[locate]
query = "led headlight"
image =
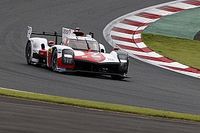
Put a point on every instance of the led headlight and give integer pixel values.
(67, 56)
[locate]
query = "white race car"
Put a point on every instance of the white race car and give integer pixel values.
(75, 52)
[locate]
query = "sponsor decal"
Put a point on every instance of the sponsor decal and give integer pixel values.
(84, 56)
(96, 57)
(93, 57)
(110, 59)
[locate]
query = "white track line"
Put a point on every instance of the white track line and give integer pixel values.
(141, 19)
(158, 12)
(183, 5)
(126, 26)
(120, 34)
(126, 43)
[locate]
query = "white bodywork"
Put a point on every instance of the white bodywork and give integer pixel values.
(36, 46)
(66, 35)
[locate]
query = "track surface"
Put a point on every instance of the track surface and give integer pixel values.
(34, 117)
(148, 86)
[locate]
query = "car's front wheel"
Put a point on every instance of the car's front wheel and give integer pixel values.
(54, 60)
(28, 53)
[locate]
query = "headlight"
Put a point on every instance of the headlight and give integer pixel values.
(67, 56)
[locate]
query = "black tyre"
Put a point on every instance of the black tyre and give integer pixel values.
(28, 52)
(54, 60)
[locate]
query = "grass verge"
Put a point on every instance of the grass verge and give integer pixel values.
(98, 105)
(181, 50)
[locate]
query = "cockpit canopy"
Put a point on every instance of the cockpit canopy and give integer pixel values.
(85, 45)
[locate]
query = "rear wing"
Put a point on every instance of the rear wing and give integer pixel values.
(66, 33)
(30, 32)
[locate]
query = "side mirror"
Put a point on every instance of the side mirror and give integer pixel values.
(91, 34)
(102, 48)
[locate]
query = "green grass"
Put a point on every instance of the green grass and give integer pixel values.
(181, 50)
(99, 105)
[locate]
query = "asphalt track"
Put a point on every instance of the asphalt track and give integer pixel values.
(19, 116)
(148, 86)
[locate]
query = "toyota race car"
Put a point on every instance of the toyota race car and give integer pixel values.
(76, 52)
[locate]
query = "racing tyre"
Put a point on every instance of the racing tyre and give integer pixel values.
(54, 60)
(28, 53)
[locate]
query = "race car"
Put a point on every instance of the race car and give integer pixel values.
(76, 52)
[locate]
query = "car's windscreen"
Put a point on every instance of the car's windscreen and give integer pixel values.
(93, 45)
(83, 45)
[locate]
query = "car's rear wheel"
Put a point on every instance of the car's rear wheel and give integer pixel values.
(54, 60)
(28, 53)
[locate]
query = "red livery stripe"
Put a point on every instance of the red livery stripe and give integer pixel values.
(134, 23)
(135, 49)
(161, 59)
(126, 31)
(148, 15)
(192, 2)
(171, 9)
